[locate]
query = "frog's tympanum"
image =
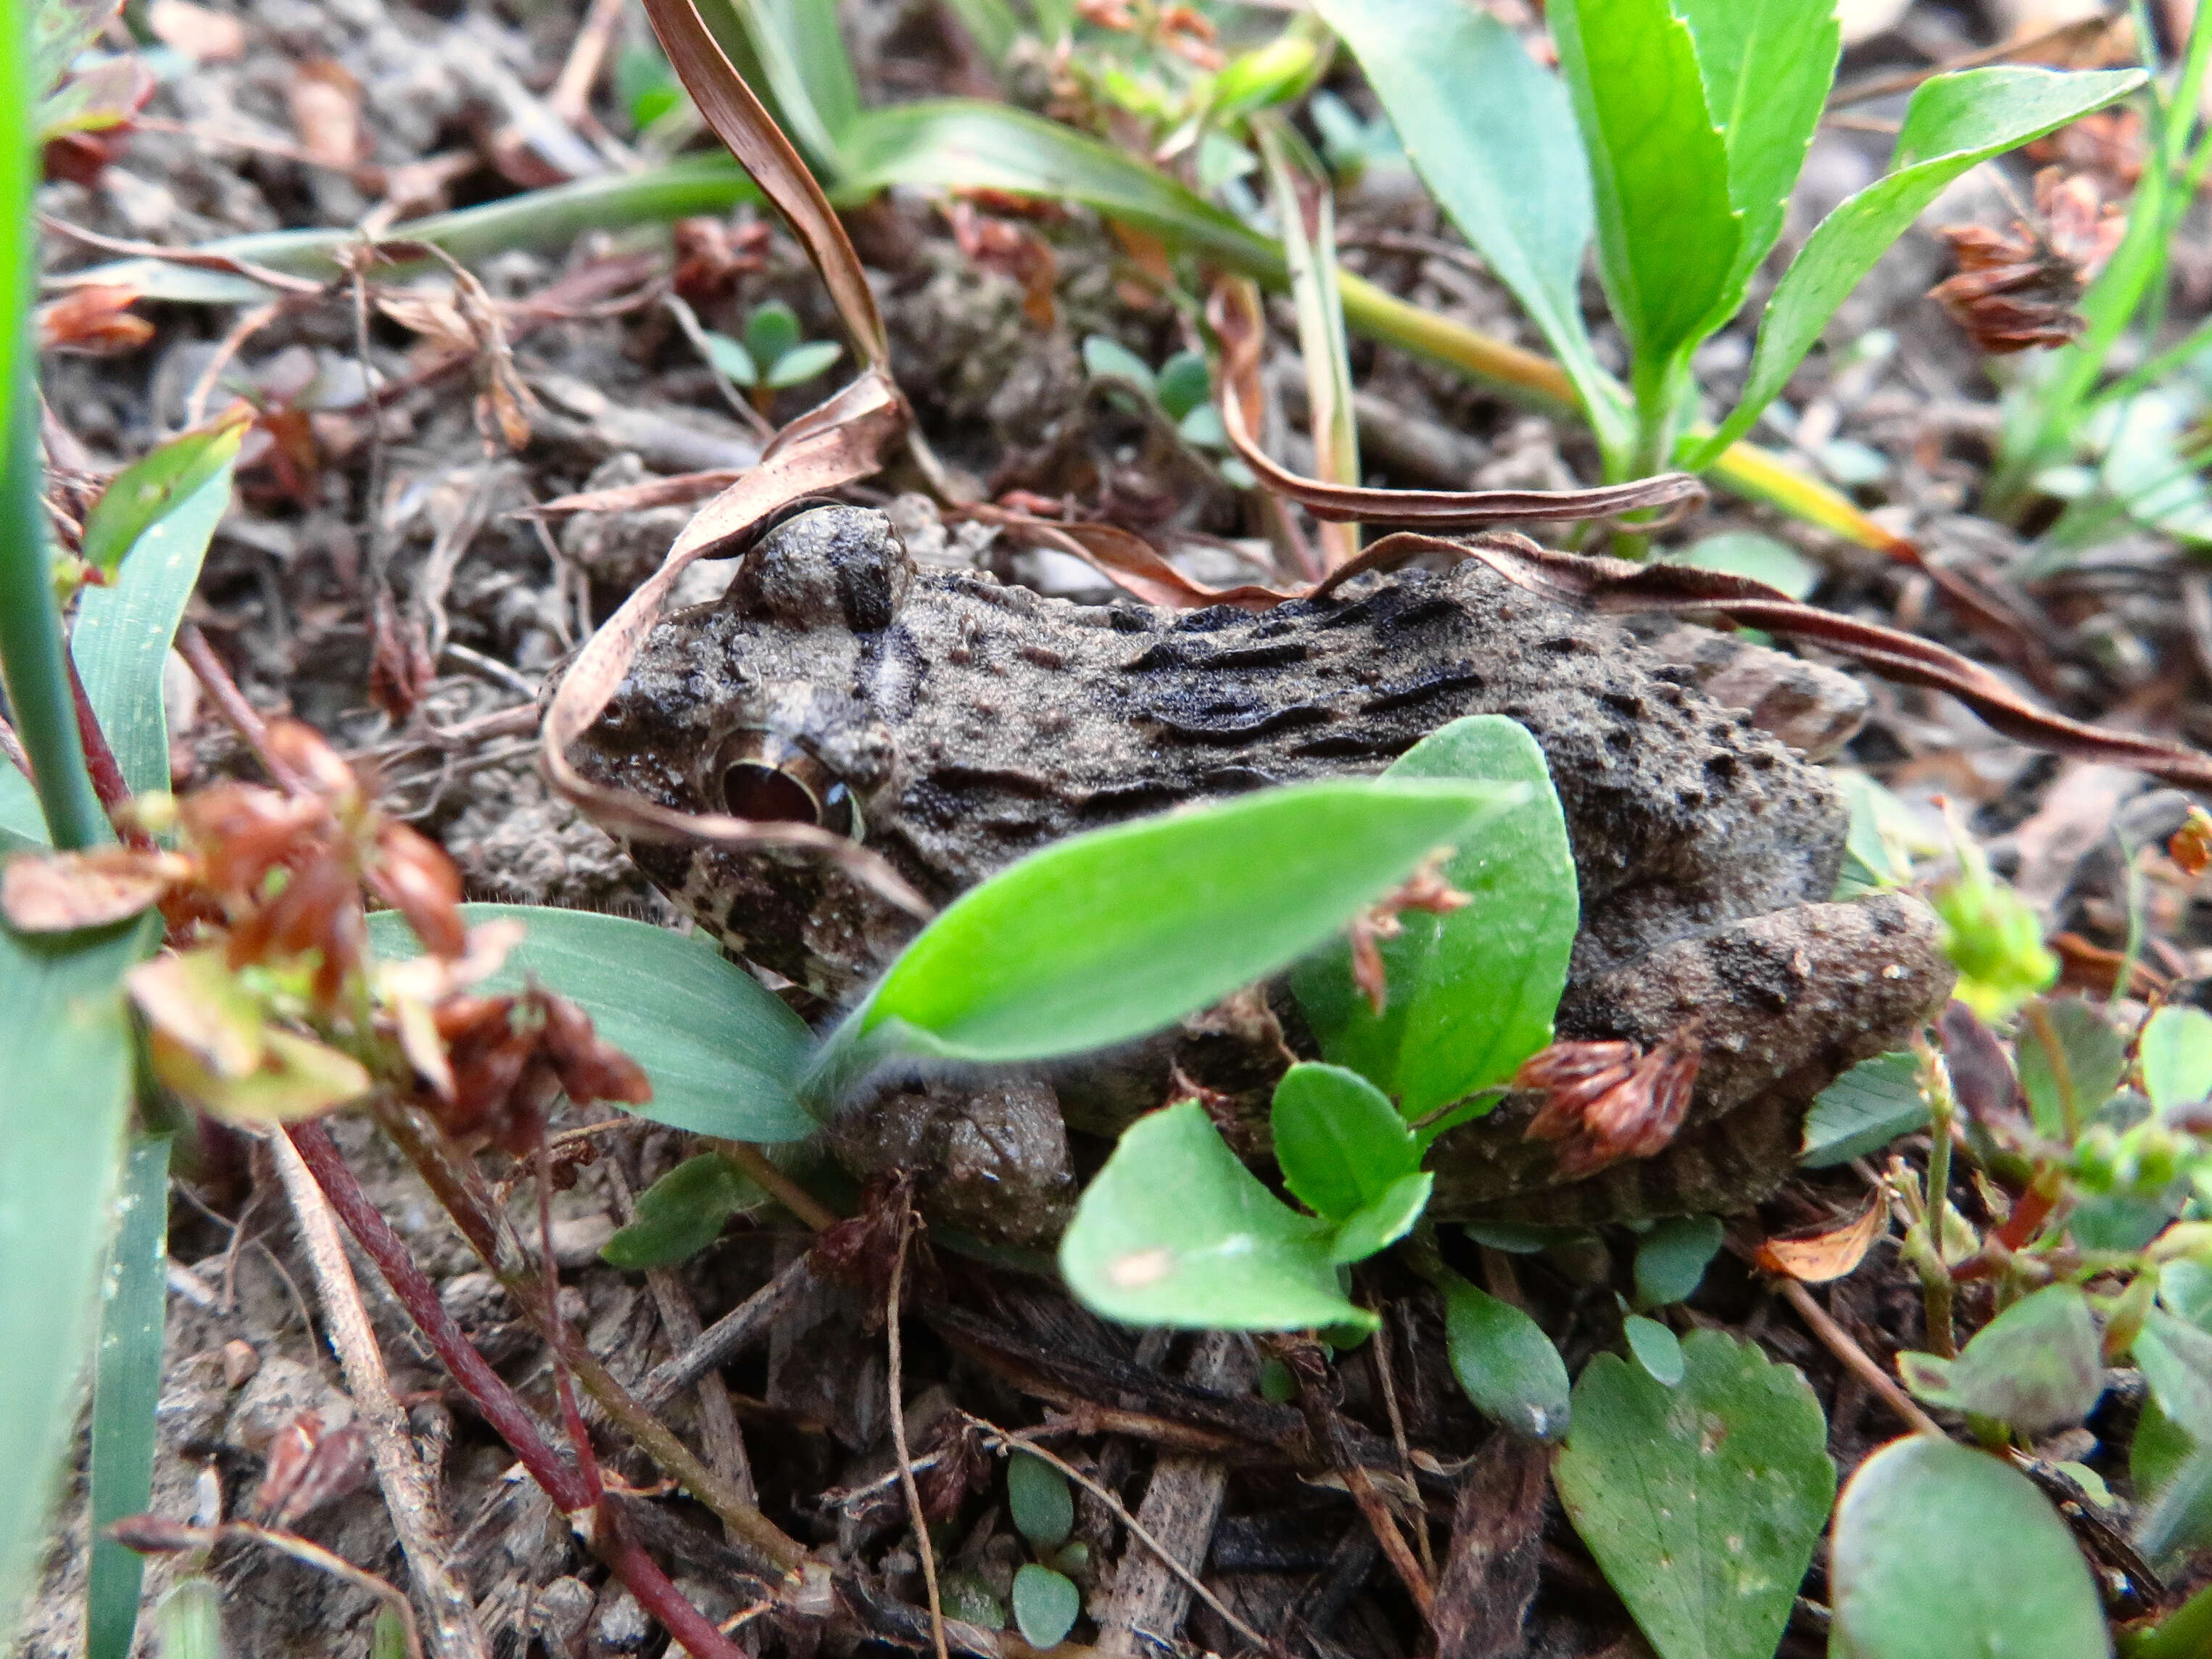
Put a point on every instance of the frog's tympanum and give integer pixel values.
(955, 724)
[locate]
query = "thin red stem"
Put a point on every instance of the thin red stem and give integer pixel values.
(99, 760)
(239, 715)
(690, 1629)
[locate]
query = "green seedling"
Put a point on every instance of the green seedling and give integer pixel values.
(1179, 393)
(773, 356)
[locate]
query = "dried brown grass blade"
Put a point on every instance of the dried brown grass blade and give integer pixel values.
(832, 445)
(680, 491)
(739, 121)
(1609, 585)
(1235, 314)
(1130, 562)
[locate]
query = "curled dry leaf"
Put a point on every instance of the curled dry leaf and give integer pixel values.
(1817, 1257)
(59, 892)
(310, 1465)
(1606, 1101)
(95, 318)
(1425, 891)
(2191, 845)
(711, 255)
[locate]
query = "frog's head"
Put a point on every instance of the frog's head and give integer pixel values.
(765, 705)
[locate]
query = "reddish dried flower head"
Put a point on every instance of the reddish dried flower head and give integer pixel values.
(2017, 290)
(2191, 846)
(1607, 1101)
(414, 876)
(512, 1057)
(711, 255)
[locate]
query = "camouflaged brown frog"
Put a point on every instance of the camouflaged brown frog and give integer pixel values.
(955, 724)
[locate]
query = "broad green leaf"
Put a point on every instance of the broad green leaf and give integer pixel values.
(1471, 993)
(1107, 936)
(770, 331)
(2185, 1288)
(2092, 1055)
(123, 633)
(2175, 1052)
(150, 488)
(1038, 1501)
(1183, 384)
(1671, 1259)
(731, 358)
(2176, 1358)
(723, 1053)
(1767, 66)
(1954, 123)
(960, 144)
(126, 1387)
(2036, 1367)
(1506, 166)
(803, 362)
(1667, 237)
(1657, 1348)
(682, 1213)
(1046, 1604)
(1863, 1111)
(1702, 1501)
(1504, 1363)
(1941, 1552)
(188, 1621)
(67, 1036)
(1748, 553)
(1175, 1230)
(1527, 1238)
(1378, 1225)
(1340, 1142)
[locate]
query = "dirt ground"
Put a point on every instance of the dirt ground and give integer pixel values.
(335, 500)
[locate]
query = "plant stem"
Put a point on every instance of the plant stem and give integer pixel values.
(33, 655)
(1937, 1287)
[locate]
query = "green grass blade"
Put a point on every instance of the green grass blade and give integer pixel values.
(126, 1386)
(64, 1029)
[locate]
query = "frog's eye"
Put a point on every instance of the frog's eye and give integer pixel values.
(758, 775)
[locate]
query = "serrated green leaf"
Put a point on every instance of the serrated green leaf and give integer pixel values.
(1339, 1141)
(1506, 166)
(1941, 1552)
(681, 1213)
(1503, 1363)
(1046, 1604)
(126, 1388)
(2175, 1052)
(1702, 1501)
(1039, 1502)
(1954, 123)
(1672, 1258)
(722, 1052)
(2036, 1367)
(1863, 1111)
(1657, 1348)
(1107, 936)
(1471, 993)
(1667, 236)
(803, 362)
(1175, 1230)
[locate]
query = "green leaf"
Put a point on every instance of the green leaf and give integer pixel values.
(1471, 993)
(67, 1036)
(188, 1621)
(723, 1053)
(1039, 1502)
(968, 1599)
(2185, 1287)
(2092, 1057)
(1175, 1230)
(1340, 1142)
(682, 1213)
(126, 1388)
(123, 633)
(731, 357)
(1657, 1348)
(2036, 1367)
(1107, 936)
(803, 362)
(2175, 1052)
(1767, 66)
(58, 30)
(1954, 123)
(1863, 1111)
(1183, 384)
(1378, 1225)
(1941, 1552)
(1046, 1604)
(771, 330)
(1702, 1501)
(1105, 358)
(1667, 236)
(2176, 1358)
(1506, 166)
(799, 60)
(1747, 553)
(1271, 74)
(387, 1637)
(155, 486)
(1671, 1259)
(1504, 1363)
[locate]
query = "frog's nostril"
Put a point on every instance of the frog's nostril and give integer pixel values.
(751, 790)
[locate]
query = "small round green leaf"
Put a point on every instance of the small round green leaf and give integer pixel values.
(771, 330)
(1863, 1111)
(2036, 1367)
(1046, 1604)
(1657, 1348)
(1175, 1230)
(1038, 1499)
(1379, 1225)
(1340, 1142)
(731, 358)
(803, 362)
(2176, 1055)
(1506, 1365)
(1108, 359)
(1671, 1259)
(1941, 1552)
(1185, 382)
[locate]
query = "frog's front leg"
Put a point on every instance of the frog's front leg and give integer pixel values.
(1783, 1003)
(989, 1155)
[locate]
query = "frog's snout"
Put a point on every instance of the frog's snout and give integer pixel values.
(830, 566)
